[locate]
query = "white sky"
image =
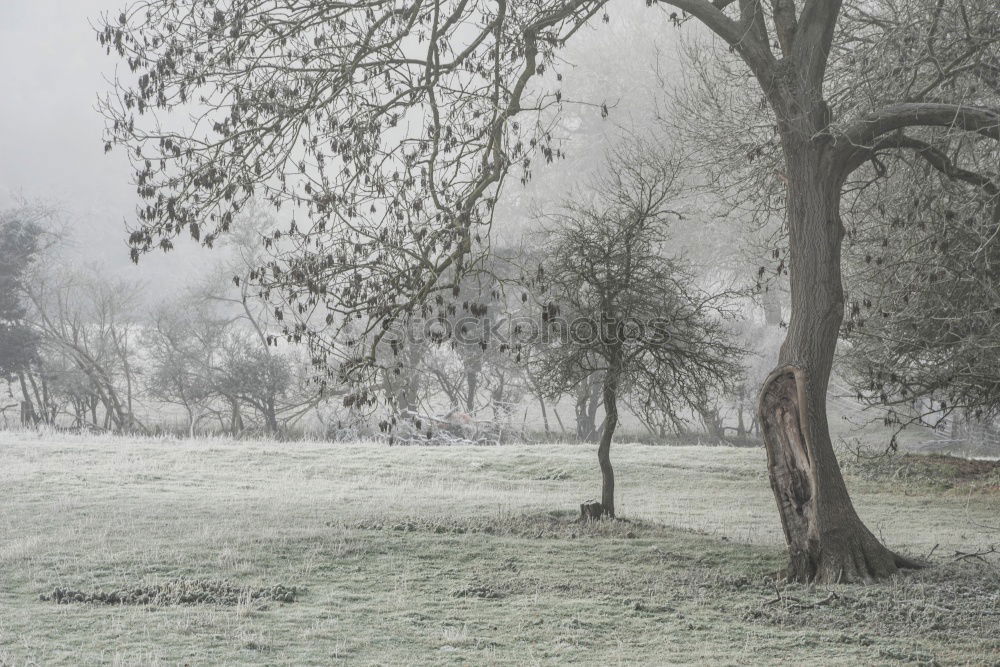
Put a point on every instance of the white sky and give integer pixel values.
(51, 69)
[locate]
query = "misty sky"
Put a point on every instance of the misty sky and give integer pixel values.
(50, 144)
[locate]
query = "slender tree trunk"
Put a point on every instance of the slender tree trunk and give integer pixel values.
(827, 541)
(42, 412)
(610, 392)
(236, 418)
(472, 384)
(501, 410)
(545, 415)
(555, 413)
(270, 418)
(48, 405)
(27, 409)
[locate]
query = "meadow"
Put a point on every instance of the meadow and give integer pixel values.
(147, 551)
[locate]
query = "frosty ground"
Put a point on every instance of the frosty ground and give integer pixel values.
(466, 555)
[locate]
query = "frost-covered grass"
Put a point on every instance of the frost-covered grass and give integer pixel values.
(462, 555)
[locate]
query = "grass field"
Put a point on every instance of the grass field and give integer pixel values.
(465, 555)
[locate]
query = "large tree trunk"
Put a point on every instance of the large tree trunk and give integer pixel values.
(827, 541)
(610, 391)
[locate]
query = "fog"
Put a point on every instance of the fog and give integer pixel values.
(51, 145)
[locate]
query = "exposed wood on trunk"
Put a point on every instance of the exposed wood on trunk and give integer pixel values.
(827, 542)
(782, 414)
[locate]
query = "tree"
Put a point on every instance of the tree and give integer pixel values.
(616, 304)
(924, 306)
(181, 343)
(86, 325)
(26, 232)
(253, 377)
(392, 127)
(921, 86)
(18, 342)
(251, 368)
(844, 85)
(921, 246)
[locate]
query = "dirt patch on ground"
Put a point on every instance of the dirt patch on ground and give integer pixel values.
(176, 592)
(551, 525)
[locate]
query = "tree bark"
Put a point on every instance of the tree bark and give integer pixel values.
(610, 391)
(827, 541)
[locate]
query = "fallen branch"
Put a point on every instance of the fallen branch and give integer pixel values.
(980, 555)
(797, 603)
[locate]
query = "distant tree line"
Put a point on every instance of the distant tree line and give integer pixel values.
(80, 349)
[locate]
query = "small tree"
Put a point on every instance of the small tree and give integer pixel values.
(18, 343)
(253, 377)
(181, 343)
(21, 240)
(615, 303)
(85, 322)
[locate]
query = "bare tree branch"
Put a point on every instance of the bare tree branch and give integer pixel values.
(855, 143)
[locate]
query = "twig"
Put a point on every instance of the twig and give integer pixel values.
(961, 555)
